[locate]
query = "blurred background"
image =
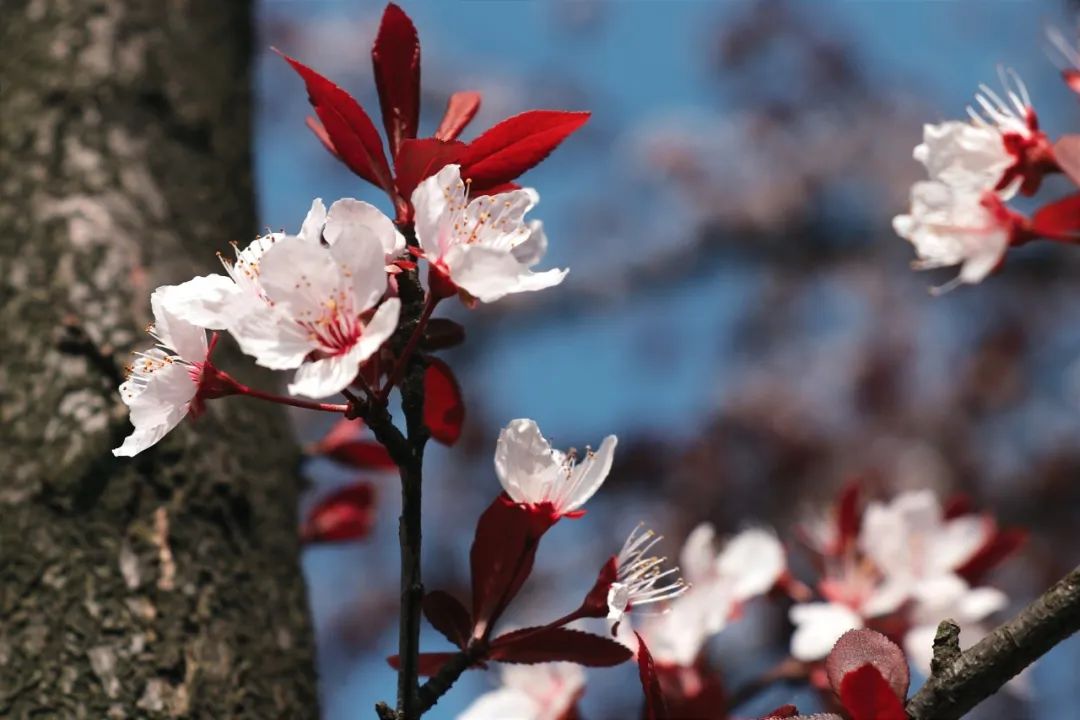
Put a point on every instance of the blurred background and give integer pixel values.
(738, 310)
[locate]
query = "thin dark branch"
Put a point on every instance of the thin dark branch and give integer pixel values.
(442, 681)
(971, 677)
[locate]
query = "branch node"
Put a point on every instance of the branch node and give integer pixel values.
(946, 646)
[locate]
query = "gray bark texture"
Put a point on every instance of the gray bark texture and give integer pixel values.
(167, 585)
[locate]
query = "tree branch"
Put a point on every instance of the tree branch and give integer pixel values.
(959, 684)
(442, 681)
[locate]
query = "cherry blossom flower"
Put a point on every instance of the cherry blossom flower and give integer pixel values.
(750, 564)
(958, 226)
(818, 626)
(482, 246)
(545, 691)
(315, 311)
(911, 542)
(638, 574)
(170, 381)
(546, 480)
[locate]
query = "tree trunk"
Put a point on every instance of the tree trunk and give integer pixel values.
(167, 585)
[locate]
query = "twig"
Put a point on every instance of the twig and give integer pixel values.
(957, 686)
(442, 681)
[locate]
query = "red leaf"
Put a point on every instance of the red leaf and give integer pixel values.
(1000, 546)
(395, 58)
(516, 144)
(957, 505)
(320, 133)
(1060, 220)
(784, 711)
(655, 708)
(442, 333)
(494, 189)
(848, 515)
(347, 126)
(460, 110)
(501, 559)
(866, 695)
(444, 410)
(858, 648)
(418, 160)
(430, 663)
(346, 514)
(534, 645)
(447, 615)
(1067, 155)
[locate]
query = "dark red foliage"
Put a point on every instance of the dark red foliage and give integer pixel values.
(344, 443)
(395, 59)
(784, 711)
(857, 648)
(444, 409)
(430, 663)
(848, 515)
(999, 547)
(866, 695)
(534, 645)
(447, 615)
(420, 159)
(501, 558)
(1059, 220)
(347, 127)
(345, 514)
(655, 707)
(516, 144)
(442, 333)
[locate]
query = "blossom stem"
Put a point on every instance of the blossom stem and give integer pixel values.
(410, 347)
(295, 402)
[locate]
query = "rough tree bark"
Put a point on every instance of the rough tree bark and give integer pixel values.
(167, 585)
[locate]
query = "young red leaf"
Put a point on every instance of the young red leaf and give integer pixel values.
(534, 645)
(444, 410)
(866, 695)
(430, 663)
(345, 514)
(441, 334)
(1000, 546)
(348, 128)
(418, 160)
(1059, 220)
(395, 58)
(317, 128)
(362, 455)
(501, 558)
(516, 144)
(655, 708)
(447, 615)
(460, 110)
(857, 648)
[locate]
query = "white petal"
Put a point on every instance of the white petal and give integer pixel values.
(525, 462)
(300, 277)
(959, 539)
(964, 155)
(817, 628)
(498, 221)
(488, 274)
(502, 704)
(588, 475)
(204, 301)
(751, 563)
(980, 603)
(533, 249)
(350, 218)
(379, 328)
(312, 229)
(157, 408)
(698, 557)
(919, 646)
(186, 339)
(433, 202)
(273, 339)
(328, 376)
(362, 262)
(888, 597)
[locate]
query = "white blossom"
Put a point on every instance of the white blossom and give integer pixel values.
(639, 576)
(162, 382)
(965, 155)
(544, 691)
(533, 473)
(818, 626)
(484, 244)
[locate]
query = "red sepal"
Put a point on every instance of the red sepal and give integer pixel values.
(866, 695)
(535, 645)
(858, 648)
(501, 558)
(1059, 220)
(595, 603)
(1003, 544)
(345, 514)
(395, 59)
(348, 128)
(516, 144)
(447, 615)
(655, 707)
(431, 663)
(444, 410)
(460, 110)
(418, 160)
